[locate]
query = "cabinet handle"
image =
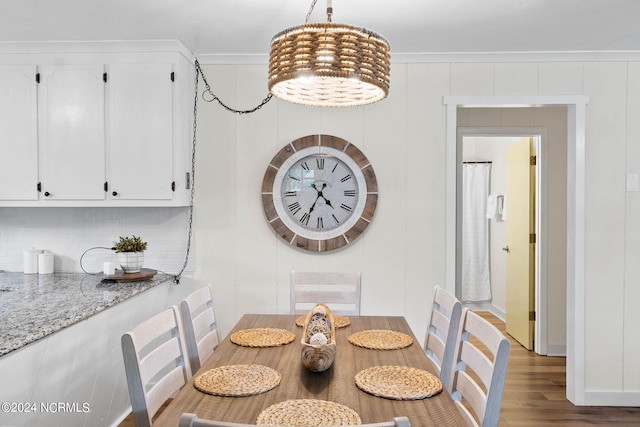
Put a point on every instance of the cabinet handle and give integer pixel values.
(47, 194)
(115, 193)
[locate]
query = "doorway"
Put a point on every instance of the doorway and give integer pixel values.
(575, 219)
(511, 267)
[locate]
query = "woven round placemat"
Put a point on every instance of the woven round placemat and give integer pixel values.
(262, 337)
(237, 380)
(398, 382)
(339, 321)
(308, 413)
(380, 339)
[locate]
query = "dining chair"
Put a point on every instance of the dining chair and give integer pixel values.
(442, 333)
(156, 363)
(482, 356)
(339, 291)
(192, 420)
(200, 326)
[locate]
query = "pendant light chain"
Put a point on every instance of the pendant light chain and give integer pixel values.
(192, 182)
(313, 4)
(212, 97)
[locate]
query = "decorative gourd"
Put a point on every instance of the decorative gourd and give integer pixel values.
(318, 339)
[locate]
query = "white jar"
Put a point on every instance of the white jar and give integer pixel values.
(45, 263)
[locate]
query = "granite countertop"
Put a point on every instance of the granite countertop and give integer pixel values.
(33, 306)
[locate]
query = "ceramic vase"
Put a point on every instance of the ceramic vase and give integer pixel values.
(131, 262)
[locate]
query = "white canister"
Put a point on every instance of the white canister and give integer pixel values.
(45, 263)
(30, 261)
(109, 268)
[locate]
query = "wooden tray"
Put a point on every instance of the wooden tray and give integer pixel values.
(121, 276)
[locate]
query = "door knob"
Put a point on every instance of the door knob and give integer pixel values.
(506, 249)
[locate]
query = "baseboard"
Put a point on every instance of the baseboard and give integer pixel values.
(612, 398)
(556, 350)
(486, 306)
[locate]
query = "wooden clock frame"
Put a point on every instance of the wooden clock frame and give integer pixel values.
(316, 241)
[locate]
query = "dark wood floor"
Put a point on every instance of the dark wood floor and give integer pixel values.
(535, 392)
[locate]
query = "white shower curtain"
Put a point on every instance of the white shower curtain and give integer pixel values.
(476, 277)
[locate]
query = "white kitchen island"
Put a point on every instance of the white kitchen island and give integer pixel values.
(60, 355)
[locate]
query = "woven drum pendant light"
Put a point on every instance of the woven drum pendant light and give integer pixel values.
(329, 65)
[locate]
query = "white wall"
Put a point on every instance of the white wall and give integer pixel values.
(402, 254)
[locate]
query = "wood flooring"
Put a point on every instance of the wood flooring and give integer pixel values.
(535, 392)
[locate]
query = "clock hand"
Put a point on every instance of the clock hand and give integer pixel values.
(318, 196)
(313, 185)
(314, 204)
(322, 195)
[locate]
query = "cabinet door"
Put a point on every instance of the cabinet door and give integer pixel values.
(140, 137)
(71, 127)
(18, 133)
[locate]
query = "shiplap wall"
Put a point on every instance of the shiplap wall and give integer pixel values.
(401, 255)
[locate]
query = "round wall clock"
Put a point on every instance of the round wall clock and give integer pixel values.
(319, 193)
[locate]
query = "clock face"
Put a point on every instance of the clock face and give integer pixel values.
(316, 193)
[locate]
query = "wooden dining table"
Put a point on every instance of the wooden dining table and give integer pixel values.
(335, 384)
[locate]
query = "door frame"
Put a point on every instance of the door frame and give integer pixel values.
(576, 124)
(539, 135)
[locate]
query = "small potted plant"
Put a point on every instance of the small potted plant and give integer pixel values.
(131, 253)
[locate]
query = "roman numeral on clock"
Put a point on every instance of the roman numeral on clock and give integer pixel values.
(320, 163)
(335, 219)
(305, 166)
(290, 193)
(346, 208)
(345, 178)
(320, 223)
(350, 193)
(294, 208)
(305, 219)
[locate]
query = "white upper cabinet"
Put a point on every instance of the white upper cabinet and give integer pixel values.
(140, 132)
(71, 132)
(111, 126)
(18, 133)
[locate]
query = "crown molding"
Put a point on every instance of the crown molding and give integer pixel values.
(93, 47)
(453, 57)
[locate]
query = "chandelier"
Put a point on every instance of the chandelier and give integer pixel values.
(329, 65)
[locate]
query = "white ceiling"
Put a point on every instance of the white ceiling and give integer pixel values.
(411, 26)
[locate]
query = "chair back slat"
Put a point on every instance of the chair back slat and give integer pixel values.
(339, 291)
(442, 333)
(192, 420)
(482, 357)
(200, 326)
(156, 363)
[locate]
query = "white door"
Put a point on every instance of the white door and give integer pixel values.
(71, 130)
(18, 133)
(140, 136)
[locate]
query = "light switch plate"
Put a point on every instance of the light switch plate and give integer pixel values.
(632, 182)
